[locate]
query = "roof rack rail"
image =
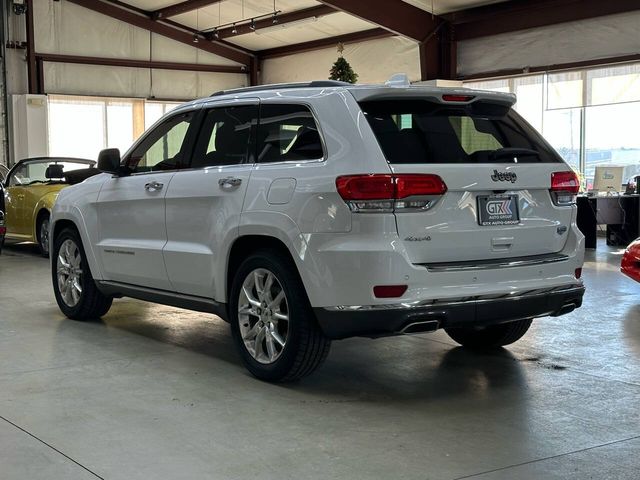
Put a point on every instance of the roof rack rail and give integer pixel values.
(279, 86)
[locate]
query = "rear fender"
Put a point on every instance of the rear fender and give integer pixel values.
(44, 204)
(283, 228)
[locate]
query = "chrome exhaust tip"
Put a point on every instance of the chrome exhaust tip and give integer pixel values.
(424, 326)
(568, 308)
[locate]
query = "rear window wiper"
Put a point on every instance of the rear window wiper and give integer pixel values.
(513, 153)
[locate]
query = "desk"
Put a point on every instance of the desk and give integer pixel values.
(619, 213)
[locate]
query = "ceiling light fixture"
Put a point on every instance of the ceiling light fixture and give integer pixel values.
(281, 26)
(223, 30)
(195, 35)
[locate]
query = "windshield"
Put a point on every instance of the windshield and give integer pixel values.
(34, 172)
(418, 131)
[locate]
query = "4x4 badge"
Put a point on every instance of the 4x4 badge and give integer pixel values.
(504, 176)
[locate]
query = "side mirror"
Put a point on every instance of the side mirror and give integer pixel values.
(109, 160)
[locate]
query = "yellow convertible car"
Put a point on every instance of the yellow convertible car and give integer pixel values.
(31, 188)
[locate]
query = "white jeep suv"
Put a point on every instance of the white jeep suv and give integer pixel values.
(303, 213)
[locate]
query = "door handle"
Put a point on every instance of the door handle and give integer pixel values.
(153, 186)
(229, 182)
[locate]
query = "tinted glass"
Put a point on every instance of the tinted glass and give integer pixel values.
(288, 133)
(427, 132)
(226, 137)
(162, 149)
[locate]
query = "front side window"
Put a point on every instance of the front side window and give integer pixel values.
(19, 176)
(226, 137)
(163, 148)
(288, 133)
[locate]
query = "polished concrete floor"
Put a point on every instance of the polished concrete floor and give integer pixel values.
(153, 392)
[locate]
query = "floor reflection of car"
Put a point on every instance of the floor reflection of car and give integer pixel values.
(30, 190)
(630, 264)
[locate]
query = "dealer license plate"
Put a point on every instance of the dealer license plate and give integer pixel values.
(498, 210)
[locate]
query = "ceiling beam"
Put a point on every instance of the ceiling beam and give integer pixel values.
(283, 18)
(325, 43)
(524, 14)
(125, 62)
(181, 26)
(182, 7)
(179, 35)
(394, 15)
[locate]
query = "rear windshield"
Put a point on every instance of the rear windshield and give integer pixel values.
(418, 131)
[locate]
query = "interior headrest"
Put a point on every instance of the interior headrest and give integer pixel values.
(54, 171)
(228, 141)
(383, 124)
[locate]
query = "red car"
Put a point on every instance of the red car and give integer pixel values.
(630, 264)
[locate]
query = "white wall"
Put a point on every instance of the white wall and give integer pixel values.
(65, 28)
(29, 126)
(592, 39)
(374, 61)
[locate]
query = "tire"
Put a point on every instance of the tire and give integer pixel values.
(42, 233)
(298, 346)
(493, 336)
(70, 268)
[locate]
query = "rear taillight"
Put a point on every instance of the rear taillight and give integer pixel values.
(564, 187)
(387, 193)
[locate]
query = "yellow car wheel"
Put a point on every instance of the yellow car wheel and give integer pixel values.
(42, 233)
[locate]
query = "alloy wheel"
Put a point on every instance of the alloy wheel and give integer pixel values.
(44, 235)
(263, 315)
(69, 273)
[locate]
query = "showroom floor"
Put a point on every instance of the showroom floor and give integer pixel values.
(154, 392)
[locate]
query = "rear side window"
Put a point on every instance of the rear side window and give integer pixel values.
(427, 132)
(287, 133)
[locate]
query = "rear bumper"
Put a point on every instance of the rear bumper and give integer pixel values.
(382, 320)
